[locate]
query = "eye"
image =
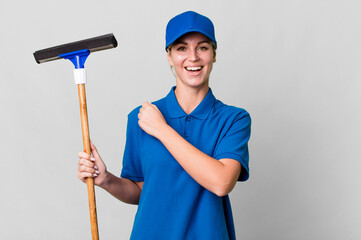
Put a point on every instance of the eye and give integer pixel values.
(203, 48)
(181, 48)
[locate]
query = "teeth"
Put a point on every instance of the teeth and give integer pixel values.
(193, 68)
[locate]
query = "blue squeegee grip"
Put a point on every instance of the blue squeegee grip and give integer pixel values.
(78, 58)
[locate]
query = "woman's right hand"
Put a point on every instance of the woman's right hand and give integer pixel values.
(92, 166)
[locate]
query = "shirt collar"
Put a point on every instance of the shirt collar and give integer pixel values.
(201, 111)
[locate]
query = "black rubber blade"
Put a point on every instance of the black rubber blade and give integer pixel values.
(92, 44)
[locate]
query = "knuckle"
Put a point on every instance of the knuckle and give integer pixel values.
(81, 162)
(83, 168)
(83, 155)
(85, 162)
(86, 175)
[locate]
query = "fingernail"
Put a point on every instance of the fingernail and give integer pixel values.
(93, 159)
(97, 172)
(95, 175)
(95, 167)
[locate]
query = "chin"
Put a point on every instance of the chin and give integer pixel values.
(197, 84)
(194, 82)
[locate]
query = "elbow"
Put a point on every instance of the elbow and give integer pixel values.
(223, 188)
(221, 193)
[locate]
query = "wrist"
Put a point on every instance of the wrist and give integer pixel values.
(164, 132)
(107, 179)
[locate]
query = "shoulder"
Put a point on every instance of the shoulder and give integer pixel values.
(229, 112)
(134, 113)
(161, 104)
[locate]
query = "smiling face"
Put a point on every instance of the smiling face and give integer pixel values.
(192, 57)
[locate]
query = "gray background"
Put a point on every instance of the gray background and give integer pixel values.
(294, 65)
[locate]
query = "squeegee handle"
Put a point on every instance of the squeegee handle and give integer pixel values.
(86, 143)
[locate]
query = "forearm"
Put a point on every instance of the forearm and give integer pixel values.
(212, 174)
(122, 188)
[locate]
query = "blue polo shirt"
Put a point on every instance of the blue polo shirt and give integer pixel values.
(172, 205)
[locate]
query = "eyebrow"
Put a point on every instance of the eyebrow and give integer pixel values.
(181, 42)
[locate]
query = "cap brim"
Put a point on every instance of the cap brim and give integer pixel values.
(189, 31)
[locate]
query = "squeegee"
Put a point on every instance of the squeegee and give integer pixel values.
(77, 53)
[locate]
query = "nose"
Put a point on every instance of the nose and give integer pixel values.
(193, 55)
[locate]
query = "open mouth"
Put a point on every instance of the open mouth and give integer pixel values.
(194, 69)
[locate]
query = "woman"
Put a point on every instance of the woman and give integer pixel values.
(183, 153)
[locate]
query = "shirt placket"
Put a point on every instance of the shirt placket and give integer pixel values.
(187, 124)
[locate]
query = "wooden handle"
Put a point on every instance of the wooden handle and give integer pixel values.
(86, 143)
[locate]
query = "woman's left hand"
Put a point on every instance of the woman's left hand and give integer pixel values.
(151, 119)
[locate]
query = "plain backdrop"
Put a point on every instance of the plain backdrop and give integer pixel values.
(294, 65)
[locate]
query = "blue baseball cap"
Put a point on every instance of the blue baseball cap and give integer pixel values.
(188, 22)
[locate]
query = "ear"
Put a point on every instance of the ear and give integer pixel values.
(214, 56)
(170, 60)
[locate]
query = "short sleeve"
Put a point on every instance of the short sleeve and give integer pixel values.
(132, 168)
(234, 144)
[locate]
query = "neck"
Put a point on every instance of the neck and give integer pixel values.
(190, 98)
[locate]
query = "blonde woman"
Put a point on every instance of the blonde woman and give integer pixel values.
(183, 153)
